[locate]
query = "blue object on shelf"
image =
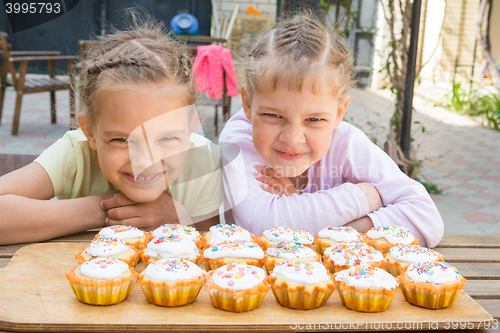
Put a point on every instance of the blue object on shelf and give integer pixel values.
(184, 24)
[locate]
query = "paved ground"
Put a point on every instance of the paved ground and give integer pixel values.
(460, 156)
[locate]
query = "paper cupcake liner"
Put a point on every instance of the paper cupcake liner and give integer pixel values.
(392, 267)
(429, 295)
(171, 293)
(301, 297)
(333, 268)
(131, 261)
(101, 292)
(383, 247)
(321, 245)
(365, 299)
(239, 300)
(211, 264)
(271, 263)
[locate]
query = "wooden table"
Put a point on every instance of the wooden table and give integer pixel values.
(476, 257)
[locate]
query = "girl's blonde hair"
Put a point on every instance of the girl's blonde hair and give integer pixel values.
(300, 48)
(124, 59)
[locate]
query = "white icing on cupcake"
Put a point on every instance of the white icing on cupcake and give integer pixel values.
(413, 253)
(432, 272)
(223, 232)
(172, 247)
(302, 272)
(121, 232)
(183, 231)
(104, 268)
(367, 277)
(173, 270)
(238, 276)
(290, 251)
(289, 234)
(353, 254)
(340, 234)
(104, 247)
(234, 249)
(394, 234)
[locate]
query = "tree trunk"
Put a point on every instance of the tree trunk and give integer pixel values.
(484, 9)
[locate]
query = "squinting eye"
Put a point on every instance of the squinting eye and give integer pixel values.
(121, 140)
(169, 138)
(272, 115)
(314, 119)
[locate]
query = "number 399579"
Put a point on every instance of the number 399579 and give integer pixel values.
(32, 8)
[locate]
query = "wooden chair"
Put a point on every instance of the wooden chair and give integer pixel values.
(24, 85)
(193, 42)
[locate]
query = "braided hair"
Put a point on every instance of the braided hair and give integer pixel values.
(300, 48)
(126, 58)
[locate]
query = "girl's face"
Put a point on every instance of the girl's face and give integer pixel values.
(141, 138)
(292, 130)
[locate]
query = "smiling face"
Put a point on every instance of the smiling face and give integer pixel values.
(141, 137)
(292, 130)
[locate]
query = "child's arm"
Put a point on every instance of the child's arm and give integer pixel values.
(29, 216)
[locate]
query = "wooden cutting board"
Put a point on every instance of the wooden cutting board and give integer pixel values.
(35, 295)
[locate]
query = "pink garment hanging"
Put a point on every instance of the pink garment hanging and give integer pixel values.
(207, 67)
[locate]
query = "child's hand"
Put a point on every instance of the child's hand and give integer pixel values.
(275, 183)
(143, 215)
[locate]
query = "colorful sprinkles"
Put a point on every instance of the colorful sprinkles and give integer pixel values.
(362, 272)
(427, 267)
(104, 243)
(406, 250)
(298, 235)
(353, 252)
(168, 238)
(396, 231)
(121, 228)
(306, 267)
(227, 272)
(177, 229)
(286, 247)
(234, 245)
(173, 266)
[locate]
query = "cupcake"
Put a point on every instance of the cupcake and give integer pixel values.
(332, 236)
(431, 284)
(237, 287)
(347, 255)
(168, 282)
(225, 232)
(109, 248)
(366, 288)
(301, 285)
(383, 238)
(183, 231)
(102, 281)
(170, 247)
(400, 256)
(274, 235)
(289, 251)
(130, 235)
(238, 251)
